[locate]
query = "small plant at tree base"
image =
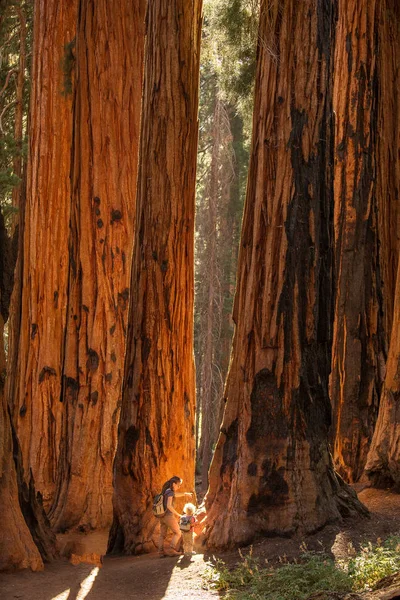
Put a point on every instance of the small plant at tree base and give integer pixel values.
(289, 582)
(313, 573)
(374, 562)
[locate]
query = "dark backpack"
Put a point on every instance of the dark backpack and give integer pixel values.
(158, 506)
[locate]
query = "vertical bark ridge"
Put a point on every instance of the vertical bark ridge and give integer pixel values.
(109, 66)
(17, 549)
(383, 462)
(271, 470)
(359, 342)
(156, 431)
(388, 142)
(35, 395)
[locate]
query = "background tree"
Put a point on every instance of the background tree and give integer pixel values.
(109, 67)
(156, 430)
(272, 470)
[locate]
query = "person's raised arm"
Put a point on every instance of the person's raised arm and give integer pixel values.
(180, 494)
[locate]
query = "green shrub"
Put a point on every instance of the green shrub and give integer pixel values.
(251, 580)
(374, 562)
(290, 582)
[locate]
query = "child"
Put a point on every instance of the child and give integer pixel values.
(186, 525)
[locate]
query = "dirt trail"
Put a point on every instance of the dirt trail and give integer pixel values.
(152, 578)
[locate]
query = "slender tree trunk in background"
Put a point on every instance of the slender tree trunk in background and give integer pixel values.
(272, 470)
(388, 143)
(383, 463)
(109, 67)
(207, 367)
(36, 355)
(230, 235)
(17, 549)
(19, 110)
(359, 329)
(156, 431)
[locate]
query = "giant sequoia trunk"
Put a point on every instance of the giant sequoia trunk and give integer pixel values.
(272, 471)
(383, 461)
(156, 432)
(109, 66)
(383, 464)
(17, 549)
(36, 354)
(359, 341)
(388, 143)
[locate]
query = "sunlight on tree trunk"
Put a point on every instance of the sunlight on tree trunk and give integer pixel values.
(36, 354)
(272, 470)
(156, 431)
(109, 67)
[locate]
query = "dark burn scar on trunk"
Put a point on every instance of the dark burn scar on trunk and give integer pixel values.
(131, 439)
(267, 417)
(123, 298)
(273, 489)
(93, 360)
(71, 387)
(146, 347)
(229, 456)
(46, 371)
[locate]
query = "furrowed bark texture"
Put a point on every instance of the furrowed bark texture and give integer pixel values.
(156, 431)
(358, 348)
(109, 67)
(35, 383)
(272, 471)
(383, 463)
(17, 549)
(388, 143)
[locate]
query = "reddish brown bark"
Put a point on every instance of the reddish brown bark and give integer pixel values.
(156, 431)
(271, 471)
(383, 463)
(109, 65)
(388, 143)
(359, 340)
(35, 380)
(17, 549)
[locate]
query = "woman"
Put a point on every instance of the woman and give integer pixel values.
(170, 491)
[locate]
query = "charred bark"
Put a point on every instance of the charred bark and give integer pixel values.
(359, 343)
(272, 471)
(109, 66)
(156, 431)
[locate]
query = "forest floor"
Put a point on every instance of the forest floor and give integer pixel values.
(149, 577)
